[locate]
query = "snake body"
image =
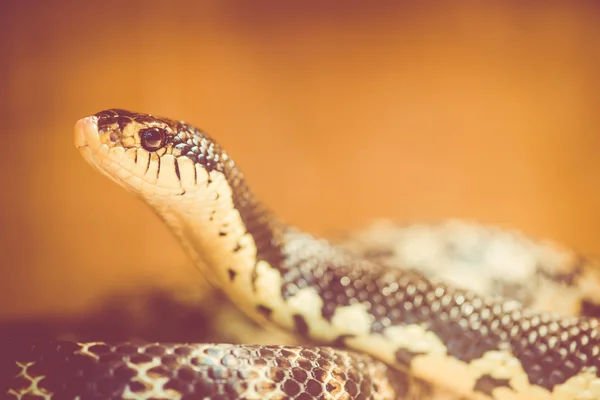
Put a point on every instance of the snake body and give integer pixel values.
(406, 334)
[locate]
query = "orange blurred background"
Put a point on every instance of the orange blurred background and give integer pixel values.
(338, 113)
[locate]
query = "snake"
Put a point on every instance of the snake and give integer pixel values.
(372, 327)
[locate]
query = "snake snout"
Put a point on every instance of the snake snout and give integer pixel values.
(86, 132)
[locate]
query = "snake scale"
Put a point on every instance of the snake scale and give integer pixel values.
(377, 330)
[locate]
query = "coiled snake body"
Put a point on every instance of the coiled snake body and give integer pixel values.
(407, 335)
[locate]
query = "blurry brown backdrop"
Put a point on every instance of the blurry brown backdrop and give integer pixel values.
(337, 113)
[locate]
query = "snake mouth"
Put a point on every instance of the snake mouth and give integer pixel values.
(87, 141)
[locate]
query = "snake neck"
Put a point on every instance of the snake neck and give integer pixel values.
(225, 230)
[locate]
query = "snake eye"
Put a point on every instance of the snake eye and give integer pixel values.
(153, 139)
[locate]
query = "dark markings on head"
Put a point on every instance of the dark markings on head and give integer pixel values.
(148, 163)
(486, 384)
(232, 274)
(188, 140)
(123, 116)
(301, 325)
(158, 167)
(264, 311)
(222, 233)
(195, 175)
(107, 118)
(177, 171)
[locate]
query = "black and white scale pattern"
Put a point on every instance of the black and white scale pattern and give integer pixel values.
(551, 349)
(105, 371)
(550, 352)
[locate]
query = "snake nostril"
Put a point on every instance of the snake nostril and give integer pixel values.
(114, 137)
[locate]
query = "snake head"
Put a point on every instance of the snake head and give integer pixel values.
(146, 153)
